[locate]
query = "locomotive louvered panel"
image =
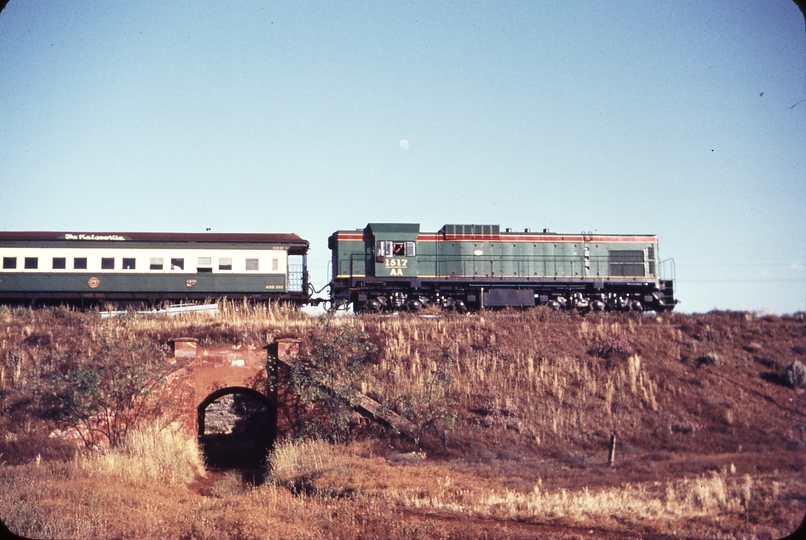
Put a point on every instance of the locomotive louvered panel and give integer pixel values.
(627, 269)
(626, 256)
(472, 232)
(627, 262)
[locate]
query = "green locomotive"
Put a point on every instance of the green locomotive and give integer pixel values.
(394, 266)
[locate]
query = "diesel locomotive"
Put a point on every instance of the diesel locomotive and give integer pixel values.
(395, 266)
(382, 267)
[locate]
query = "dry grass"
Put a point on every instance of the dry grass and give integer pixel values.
(148, 455)
(350, 493)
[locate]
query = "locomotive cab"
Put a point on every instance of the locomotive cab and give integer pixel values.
(394, 249)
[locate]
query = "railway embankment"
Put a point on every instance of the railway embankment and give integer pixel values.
(514, 413)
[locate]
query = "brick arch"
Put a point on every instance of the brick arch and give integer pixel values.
(221, 392)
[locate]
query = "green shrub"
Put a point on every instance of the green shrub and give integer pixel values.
(795, 374)
(105, 393)
(328, 376)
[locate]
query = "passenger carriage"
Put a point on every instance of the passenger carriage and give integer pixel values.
(74, 267)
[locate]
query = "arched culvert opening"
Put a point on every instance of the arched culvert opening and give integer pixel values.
(237, 427)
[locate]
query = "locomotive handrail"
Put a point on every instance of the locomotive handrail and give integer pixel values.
(662, 269)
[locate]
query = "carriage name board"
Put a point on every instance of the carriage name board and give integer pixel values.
(96, 237)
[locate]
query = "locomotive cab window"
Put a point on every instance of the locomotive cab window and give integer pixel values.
(9, 263)
(395, 249)
(383, 248)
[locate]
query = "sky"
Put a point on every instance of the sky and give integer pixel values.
(684, 119)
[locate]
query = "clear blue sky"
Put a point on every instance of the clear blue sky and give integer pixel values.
(669, 117)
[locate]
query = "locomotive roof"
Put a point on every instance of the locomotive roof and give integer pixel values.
(155, 237)
(492, 232)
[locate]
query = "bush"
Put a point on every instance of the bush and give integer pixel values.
(105, 393)
(328, 377)
(611, 346)
(795, 374)
(710, 359)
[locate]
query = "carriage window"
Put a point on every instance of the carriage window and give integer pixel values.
(225, 264)
(252, 264)
(107, 263)
(275, 265)
(9, 263)
(80, 263)
(205, 264)
(128, 264)
(59, 263)
(156, 263)
(31, 263)
(177, 264)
